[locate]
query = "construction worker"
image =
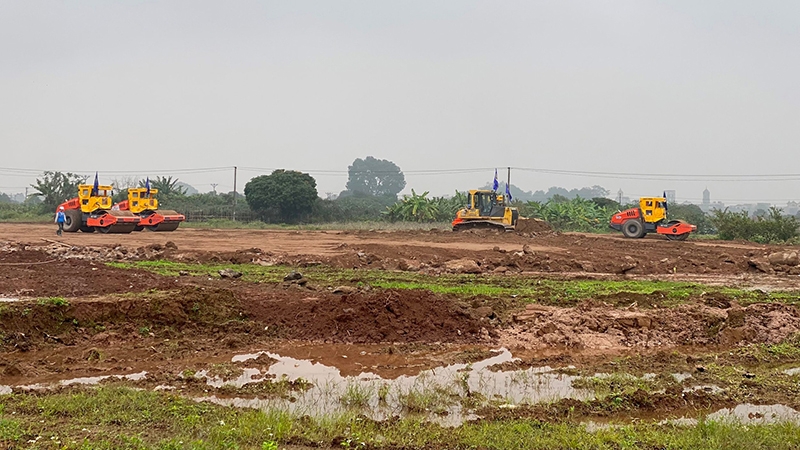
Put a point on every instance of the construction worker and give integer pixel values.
(60, 218)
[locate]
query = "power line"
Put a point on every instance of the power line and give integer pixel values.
(21, 172)
(666, 177)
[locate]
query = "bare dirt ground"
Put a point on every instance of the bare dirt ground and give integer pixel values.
(123, 320)
(414, 250)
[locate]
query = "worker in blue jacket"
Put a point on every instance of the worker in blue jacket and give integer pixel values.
(60, 218)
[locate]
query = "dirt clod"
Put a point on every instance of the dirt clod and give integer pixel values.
(230, 273)
(293, 276)
(463, 265)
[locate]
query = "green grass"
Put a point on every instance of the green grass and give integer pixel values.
(356, 395)
(620, 383)
(52, 301)
(114, 417)
(525, 289)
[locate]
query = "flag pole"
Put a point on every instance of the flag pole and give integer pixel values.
(508, 184)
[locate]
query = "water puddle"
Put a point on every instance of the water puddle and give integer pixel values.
(757, 414)
(792, 372)
(444, 394)
(746, 414)
(76, 381)
(709, 388)
(681, 377)
(95, 380)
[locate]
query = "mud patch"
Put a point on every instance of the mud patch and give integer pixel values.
(33, 273)
(373, 316)
(599, 328)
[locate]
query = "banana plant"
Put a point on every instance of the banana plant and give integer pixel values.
(413, 208)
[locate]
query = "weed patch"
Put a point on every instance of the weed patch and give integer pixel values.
(647, 293)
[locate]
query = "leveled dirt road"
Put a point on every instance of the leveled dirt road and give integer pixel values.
(547, 253)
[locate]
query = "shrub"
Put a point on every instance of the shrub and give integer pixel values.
(772, 228)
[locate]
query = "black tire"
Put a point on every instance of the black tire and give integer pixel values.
(87, 229)
(73, 220)
(633, 229)
(677, 237)
(104, 230)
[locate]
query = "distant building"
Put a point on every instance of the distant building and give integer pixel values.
(707, 205)
(670, 195)
(621, 199)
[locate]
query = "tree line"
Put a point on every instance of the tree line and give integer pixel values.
(371, 194)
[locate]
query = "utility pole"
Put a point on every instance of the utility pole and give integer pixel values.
(234, 193)
(214, 187)
(620, 196)
(508, 180)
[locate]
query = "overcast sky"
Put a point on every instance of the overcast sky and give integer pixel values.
(684, 88)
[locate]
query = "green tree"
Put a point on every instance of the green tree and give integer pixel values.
(358, 207)
(55, 188)
(772, 228)
(692, 214)
(379, 177)
(284, 195)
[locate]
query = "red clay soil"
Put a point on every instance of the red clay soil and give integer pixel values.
(600, 327)
(428, 250)
(367, 317)
(31, 273)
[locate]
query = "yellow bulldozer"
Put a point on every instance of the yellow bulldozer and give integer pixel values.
(143, 203)
(92, 211)
(486, 209)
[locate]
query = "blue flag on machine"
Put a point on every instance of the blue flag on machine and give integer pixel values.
(665, 201)
(147, 186)
(495, 184)
(96, 186)
(508, 193)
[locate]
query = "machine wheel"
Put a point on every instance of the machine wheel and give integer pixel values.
(633, 229)
(104, 230)
(172, 226)
(86, 229)
(677, 237)
(73, 220)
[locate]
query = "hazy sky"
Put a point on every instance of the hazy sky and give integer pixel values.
(685, 88)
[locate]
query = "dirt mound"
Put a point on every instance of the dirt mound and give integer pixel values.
(385, 316)
(601, 328)
(532, 226)
(28, 323)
